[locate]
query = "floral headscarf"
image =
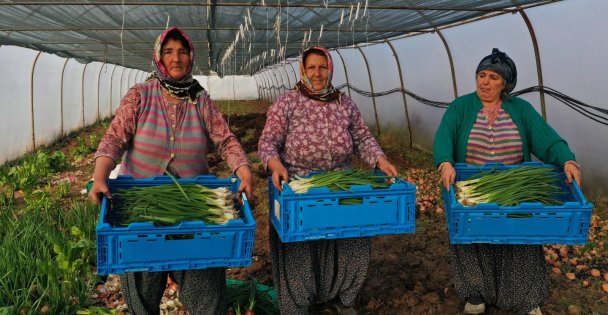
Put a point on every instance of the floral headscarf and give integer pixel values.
(304, 86)
(187, 87)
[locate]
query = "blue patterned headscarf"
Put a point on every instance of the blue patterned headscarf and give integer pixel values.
(500, 63)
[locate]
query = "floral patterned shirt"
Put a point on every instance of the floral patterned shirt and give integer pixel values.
(308, 136)
(122, 128)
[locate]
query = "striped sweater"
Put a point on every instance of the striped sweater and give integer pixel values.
(157, 142)
(497, 142)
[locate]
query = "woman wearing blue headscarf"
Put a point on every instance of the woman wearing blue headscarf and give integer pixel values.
(486, 126)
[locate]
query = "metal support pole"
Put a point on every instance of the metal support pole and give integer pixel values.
(539, 70)
(84, 69)
(407, 116)
(257, 84)
(99, 90)
(33, 123)
(371, 86)
(295, 74)
(61, 94)
(345, 72)
(111, 88)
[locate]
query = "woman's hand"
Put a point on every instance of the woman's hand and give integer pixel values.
(386, 167)
(244, 174)
(279, 173)
(448, 174)
(99, 188)
(103, 166)
(572, 171)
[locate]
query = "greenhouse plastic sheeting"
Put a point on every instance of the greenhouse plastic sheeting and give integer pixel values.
(47, 98)
(574, 49)
(425, 69)
(105, 91)
(232, 88)
(16, 119)
(383, 70)
(51, 97)
(72, 97)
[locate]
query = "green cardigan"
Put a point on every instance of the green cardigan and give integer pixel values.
(537, 136)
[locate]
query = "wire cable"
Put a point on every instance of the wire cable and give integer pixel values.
(597, 114)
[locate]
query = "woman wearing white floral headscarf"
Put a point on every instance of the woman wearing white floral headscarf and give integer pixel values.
(316, 128)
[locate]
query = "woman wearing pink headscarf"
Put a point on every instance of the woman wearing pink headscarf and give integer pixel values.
(167, 124)
(310, 129)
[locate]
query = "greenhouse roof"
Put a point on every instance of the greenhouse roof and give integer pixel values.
(230, 37)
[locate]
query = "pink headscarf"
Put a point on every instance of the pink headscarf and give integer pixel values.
(187, 87)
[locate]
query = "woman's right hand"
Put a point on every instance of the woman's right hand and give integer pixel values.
(448, 174)
(99, 188)
(103, 166)
(279, 173)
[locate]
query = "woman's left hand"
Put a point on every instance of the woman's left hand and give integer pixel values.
(572, 172)
(386, 167)
(244, 174)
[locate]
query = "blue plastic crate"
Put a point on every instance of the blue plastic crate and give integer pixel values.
(526, 223)
(319, 214)
(142, 246)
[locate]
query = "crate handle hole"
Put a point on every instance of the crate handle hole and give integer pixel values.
(177, 237)
(350, 201)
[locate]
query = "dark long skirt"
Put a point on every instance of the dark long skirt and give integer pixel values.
(510, 277)
(309, 273)
(200, 291)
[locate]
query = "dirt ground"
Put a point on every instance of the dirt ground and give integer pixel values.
(408, 274)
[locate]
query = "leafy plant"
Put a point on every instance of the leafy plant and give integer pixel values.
(4, 200)
(94, 140)
(26, 175)
(40, 200)
(43, 269)
(63, 189)
(81, 150)
(58, 162)
(68, 272)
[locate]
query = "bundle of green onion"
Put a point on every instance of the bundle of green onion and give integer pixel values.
(250, 297)
(338, 180)
(511, 187)
(173, 203)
